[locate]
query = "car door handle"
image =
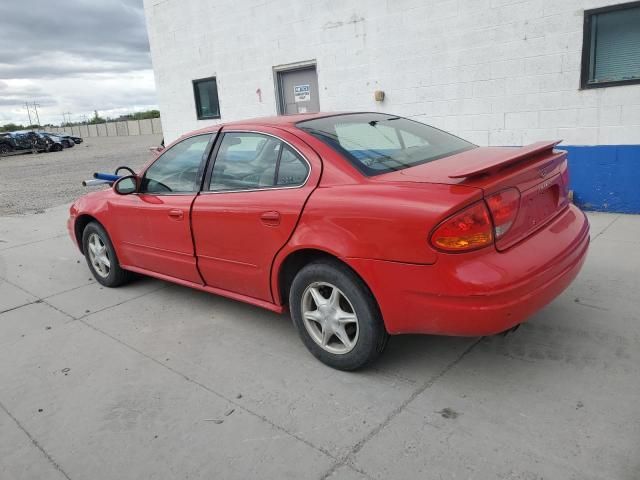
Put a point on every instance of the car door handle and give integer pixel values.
(176, 214)
(270, 218)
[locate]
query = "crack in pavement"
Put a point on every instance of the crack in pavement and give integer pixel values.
(4, 249)
(348, 458)
(208, 389)
(605, 228)
(344, 461)
(35, 442)
(44, 299)
(184, 376)
(19, 306)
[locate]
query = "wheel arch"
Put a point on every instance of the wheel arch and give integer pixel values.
(297, 259)
(80, 224)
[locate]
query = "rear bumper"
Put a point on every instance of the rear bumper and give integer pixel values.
(483, 292)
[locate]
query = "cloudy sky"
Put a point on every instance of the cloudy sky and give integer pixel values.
(74, 56)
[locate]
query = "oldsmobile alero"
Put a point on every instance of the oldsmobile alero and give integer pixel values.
(362, 225)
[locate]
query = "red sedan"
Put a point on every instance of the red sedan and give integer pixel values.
(362, 225)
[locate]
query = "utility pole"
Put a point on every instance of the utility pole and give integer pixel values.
(35, 107)
(67, 118)
(26, 104)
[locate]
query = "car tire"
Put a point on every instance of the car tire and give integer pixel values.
(4, 149)
(336, 315)
(101, 257)
(56, 147)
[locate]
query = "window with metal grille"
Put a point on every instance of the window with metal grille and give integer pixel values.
(611, 46)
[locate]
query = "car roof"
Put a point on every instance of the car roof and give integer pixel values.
(273, 121)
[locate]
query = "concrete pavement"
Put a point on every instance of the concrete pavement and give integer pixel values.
(154, 380)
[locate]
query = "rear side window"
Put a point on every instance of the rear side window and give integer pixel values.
(378, 143)
(250, 161)
(292, 169)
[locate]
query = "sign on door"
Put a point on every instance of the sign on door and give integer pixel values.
(301, 93)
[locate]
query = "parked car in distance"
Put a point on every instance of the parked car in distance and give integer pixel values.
(69, 140)
(8, 143)
(24, 141)
(362, 225)
(56, 143)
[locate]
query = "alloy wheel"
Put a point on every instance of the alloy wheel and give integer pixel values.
(329, 318)
(98, 255)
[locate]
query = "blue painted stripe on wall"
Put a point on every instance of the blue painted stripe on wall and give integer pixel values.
(605, 177)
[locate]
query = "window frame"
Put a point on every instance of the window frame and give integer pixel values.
(586, 46)
(214, 156)
(196, 97)
(201, 169)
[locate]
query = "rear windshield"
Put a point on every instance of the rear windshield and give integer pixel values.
(378, 143)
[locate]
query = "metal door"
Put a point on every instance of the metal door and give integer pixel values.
(298, 91)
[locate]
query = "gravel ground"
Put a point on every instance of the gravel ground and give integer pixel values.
(30, 183)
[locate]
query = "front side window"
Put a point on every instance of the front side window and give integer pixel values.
(377, 143)
(611, 46)
(249, 161)
(176, 170)
(205, 92)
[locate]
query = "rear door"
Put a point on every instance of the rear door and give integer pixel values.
(253, 195)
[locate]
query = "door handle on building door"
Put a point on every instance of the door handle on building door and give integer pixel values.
(270, 218)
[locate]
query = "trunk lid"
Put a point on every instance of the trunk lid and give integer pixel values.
(537, 171)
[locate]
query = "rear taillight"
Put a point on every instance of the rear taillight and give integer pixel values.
(504, 207)
(468, 229)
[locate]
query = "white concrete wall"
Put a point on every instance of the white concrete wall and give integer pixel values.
(499, 72)
(145, 127)
(133, 127)
(122, 128)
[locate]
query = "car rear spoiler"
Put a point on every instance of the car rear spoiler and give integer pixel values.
(507, 158)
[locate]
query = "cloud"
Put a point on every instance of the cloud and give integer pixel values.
(105, 29)
(75, 56)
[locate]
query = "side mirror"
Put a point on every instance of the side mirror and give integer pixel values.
(124, 167)
(126, 185)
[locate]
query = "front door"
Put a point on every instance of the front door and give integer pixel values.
(298, 91)
(249, 206)
(153, 226)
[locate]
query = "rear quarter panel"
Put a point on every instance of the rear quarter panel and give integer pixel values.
(373, 221)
